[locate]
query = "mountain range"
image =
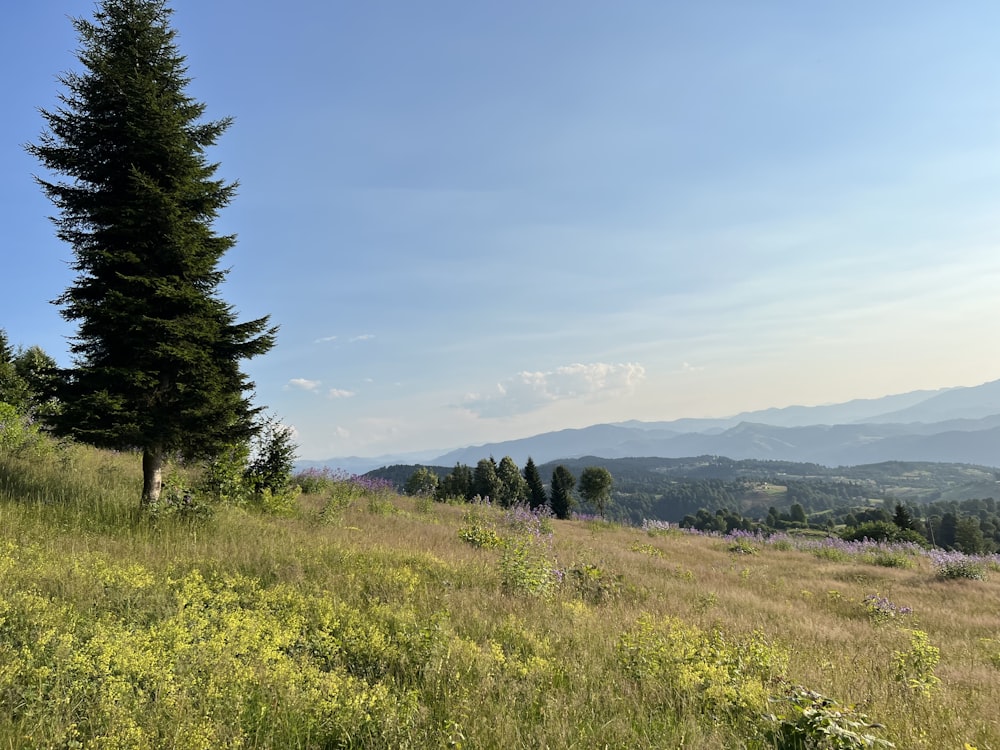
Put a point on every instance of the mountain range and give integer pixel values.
(955, 425)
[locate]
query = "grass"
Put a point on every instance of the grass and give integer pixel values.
(364, 620)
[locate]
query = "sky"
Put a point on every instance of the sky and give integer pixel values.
(476, 222)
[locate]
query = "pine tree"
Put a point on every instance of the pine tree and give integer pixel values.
(536, 490)
(562, 492)
(157, 351)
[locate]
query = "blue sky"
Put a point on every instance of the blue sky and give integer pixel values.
(480, 221)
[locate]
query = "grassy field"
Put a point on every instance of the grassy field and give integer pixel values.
(364, 619)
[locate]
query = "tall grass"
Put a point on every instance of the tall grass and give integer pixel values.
(368, 620)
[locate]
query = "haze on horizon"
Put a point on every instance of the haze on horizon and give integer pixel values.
(479, 222)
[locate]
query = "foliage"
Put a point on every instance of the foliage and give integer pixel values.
(561, 492)
(478, 527)
(717, 672)
(272, 458)
(315, 481)
(18, 432)
(457, 484)
(595, 487)
(536, 490)
(815, 722)
(421, 482)
(513, 488)
(742, 546)
(485, 481)
(883, 531)
(915, 667)
(951, 565)
(26, 378)
(880, 610)
(157, 351)
(229, 663)
(178, 501)
(594, 585)
(527, 561)
(527, 566)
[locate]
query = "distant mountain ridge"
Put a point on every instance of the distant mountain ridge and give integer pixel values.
(955, 425)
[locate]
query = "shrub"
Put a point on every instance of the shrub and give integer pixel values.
(272, 458)
(743, 547)
(478, 528)
(888, 559)
(880, 610)
(646, 549)
(595, 585)
(527, 566)
(717, 672)
(815, 721)
(950, 565)
(915, 667)
(178, 501)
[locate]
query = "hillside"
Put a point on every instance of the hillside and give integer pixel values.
(667, 489)
(367, 620)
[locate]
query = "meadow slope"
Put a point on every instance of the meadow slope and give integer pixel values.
(368, 620)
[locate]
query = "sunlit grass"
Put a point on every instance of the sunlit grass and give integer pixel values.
(365, 620)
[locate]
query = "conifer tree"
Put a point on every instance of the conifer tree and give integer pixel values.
(157, 351)
(456, 485)
(536, 490)
(562, 492)
(513, 488)
(485, 481)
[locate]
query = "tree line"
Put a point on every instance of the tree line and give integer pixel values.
(506, 484)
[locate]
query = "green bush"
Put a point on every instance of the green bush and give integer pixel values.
(815, 722)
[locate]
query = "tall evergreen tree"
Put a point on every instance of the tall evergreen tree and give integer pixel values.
(513, 488)
(485, 481)
(903, 518)
(157, 352)
(458, 484)
(536, 490)
(561, 490)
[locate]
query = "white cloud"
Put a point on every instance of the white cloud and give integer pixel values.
(325, 339)
(302, 384)
(340, 393)
(362, 337)
(529, 391)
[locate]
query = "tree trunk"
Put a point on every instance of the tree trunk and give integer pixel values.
(152, 475)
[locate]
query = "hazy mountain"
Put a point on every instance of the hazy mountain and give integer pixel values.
(955, 403)
(953, 425)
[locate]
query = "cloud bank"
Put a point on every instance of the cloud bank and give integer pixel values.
(529, 391)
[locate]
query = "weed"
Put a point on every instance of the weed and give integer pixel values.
(915, 667)
(815, 722)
